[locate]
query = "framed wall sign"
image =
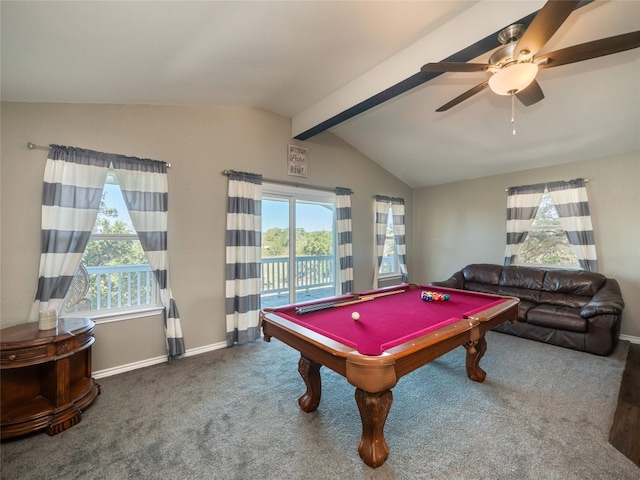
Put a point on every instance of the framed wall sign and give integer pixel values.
(297, 161)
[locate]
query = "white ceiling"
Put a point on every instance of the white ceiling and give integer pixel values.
(313, 60)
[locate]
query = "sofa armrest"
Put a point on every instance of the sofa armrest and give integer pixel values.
(456, 281)
(607, 300)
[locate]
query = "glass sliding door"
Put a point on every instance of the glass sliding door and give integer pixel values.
(298, 245)
(275, 252)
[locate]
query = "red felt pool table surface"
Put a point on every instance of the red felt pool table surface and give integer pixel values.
(396, 316)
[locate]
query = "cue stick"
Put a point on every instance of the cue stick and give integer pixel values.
(325, 306)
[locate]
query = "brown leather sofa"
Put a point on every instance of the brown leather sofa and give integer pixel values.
(569, 308)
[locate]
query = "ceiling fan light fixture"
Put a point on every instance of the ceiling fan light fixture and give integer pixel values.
(513, 78)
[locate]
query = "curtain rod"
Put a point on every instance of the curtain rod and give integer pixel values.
(33, 146)
(292, 184)
(586, 180)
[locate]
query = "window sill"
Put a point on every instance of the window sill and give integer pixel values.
(389, 280)
(390, 276)
(116, 316)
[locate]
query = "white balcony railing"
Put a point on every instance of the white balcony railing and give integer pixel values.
(120, 286)
(311, 272)
(126, 286)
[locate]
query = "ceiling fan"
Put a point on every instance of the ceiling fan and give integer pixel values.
(515, 64)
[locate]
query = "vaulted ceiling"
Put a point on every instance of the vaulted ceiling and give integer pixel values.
(352, 68)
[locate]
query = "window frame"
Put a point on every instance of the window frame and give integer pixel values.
(107, 315)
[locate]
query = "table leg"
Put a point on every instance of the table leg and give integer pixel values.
(310, 373)
(374, 408)
(475, 351)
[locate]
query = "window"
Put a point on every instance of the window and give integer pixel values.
(547, 243)
(119, 276)
(389, 265)
(298, 254)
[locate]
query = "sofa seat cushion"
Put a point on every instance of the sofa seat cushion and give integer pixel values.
(554, 316)
(523, 309)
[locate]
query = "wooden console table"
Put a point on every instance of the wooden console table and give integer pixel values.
(46, 376)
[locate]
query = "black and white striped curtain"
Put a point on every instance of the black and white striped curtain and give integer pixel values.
(522, 206)
(382, 204)
(571, 203)
(381, 219)
(71, 194)
(145, 189)
(397, 210)
(244, 238)
(345, 242)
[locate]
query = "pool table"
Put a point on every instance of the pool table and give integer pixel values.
(393, 333)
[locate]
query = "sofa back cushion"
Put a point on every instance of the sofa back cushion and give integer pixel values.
(529, 278)
(572, 282)
(564, 299)
(566, 288)
(521, 293)
(482, 273)
(482, 277)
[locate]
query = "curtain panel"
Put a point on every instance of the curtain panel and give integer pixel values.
(145, 189)
(243, 242)
(71, 194)
(345, 242)
(571, 203)
(522, 206)
(397, 210)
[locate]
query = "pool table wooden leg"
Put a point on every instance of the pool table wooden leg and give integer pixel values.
(475, 351)
(374, 408)
(310, 373)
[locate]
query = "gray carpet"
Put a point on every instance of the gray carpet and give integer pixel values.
(544, 412)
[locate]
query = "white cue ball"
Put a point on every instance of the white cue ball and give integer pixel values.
(355, 315)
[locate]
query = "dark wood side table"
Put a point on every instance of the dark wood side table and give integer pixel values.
(45, 376)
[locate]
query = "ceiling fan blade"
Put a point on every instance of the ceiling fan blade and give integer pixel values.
(454, 67)
(530, 95)
(463, 97)
(543, 26)
(588, 50)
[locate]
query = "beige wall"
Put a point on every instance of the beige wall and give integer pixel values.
(464, 222)
(199, 142)
(453, 224)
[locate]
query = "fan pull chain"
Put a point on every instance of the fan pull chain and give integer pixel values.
(513, 114)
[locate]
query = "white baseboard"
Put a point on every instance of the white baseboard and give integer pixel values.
(631, 339)
(107, 372)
